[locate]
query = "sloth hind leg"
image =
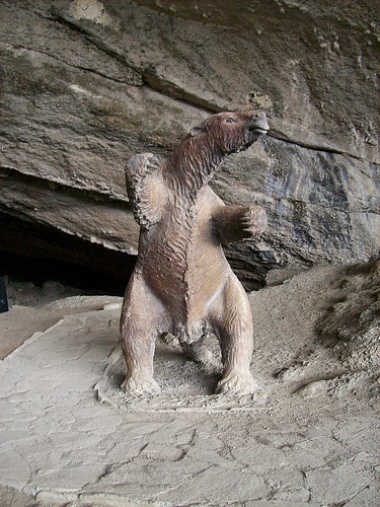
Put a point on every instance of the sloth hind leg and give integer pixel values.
(143, 319)
(233, 323)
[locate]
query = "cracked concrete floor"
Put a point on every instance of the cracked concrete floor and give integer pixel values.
(310, 437)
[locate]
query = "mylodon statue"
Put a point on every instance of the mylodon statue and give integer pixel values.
(182, 283)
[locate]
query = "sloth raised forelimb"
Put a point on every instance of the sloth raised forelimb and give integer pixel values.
(236, 223)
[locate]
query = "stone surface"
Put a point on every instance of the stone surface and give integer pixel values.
(60, 446)
(86, 85)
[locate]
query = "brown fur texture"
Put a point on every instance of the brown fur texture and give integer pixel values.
(182, 283)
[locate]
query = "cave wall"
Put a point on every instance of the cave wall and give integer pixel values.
(85, 85)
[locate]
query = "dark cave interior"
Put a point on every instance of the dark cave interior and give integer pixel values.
(39, 253)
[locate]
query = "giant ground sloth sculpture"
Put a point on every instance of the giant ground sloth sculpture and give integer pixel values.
(182, 282)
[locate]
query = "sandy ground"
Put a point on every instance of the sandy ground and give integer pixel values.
(70, 437)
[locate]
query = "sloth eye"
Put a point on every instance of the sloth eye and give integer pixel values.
(230, 120)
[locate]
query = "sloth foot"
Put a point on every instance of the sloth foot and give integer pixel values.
(237, 383)
(140, 384)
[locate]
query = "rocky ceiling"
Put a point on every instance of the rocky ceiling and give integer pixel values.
(85, 85)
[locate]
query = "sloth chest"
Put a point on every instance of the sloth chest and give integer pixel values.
(181, 258)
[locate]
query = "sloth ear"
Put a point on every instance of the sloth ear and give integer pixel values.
(196, 131)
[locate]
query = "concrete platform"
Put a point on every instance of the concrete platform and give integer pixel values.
(61, 446)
